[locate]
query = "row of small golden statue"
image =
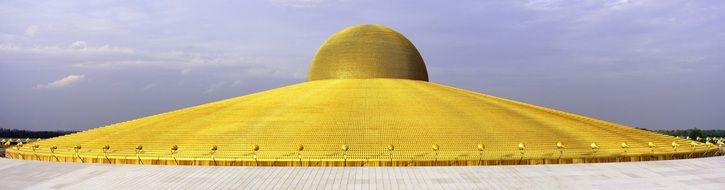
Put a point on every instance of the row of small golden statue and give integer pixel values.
(27, 140)
(435, 147)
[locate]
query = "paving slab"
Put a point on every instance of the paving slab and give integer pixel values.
(700, 173)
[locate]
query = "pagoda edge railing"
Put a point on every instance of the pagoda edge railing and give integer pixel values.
(294, 158)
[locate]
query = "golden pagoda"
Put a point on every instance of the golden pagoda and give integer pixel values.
(367, 101)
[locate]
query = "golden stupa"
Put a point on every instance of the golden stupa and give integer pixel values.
(367, 102)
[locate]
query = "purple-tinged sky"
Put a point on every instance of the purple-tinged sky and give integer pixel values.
(73, 65)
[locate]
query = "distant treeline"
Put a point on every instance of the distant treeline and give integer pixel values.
(692, 133)
(17, 133)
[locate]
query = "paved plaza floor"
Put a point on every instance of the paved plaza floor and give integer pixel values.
(701, 173)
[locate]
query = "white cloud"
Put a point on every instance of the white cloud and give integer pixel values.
(32, 30)
(543, 5)
(109, 57)
(186, 71)
(6, 37)
(81, 54)
(61, 83)
(64, 82)
(624, 4)
(70, 50)
(78, 45)
(301, 3)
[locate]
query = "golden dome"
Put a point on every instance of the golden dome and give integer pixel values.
(367, 51)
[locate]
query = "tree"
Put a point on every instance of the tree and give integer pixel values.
(694, 133)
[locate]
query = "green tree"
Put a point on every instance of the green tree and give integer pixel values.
(694, 133)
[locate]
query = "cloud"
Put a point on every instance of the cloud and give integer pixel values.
(73, 49)
(301, 3)
(83, 55)
(78, 45)
(543, 5)
(61, 83)
(32, 30)
(624, 4)
(185, 71)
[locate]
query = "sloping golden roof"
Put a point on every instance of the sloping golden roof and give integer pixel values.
(362, 122)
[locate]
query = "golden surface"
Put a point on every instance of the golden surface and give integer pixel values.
(367, 51)
(367, 115)
(381, 119)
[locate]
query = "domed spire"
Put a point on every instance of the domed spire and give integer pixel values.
(367, 51)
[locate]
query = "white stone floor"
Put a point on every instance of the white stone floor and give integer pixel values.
(702, 173)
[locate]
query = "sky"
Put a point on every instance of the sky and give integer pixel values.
(75, 65)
